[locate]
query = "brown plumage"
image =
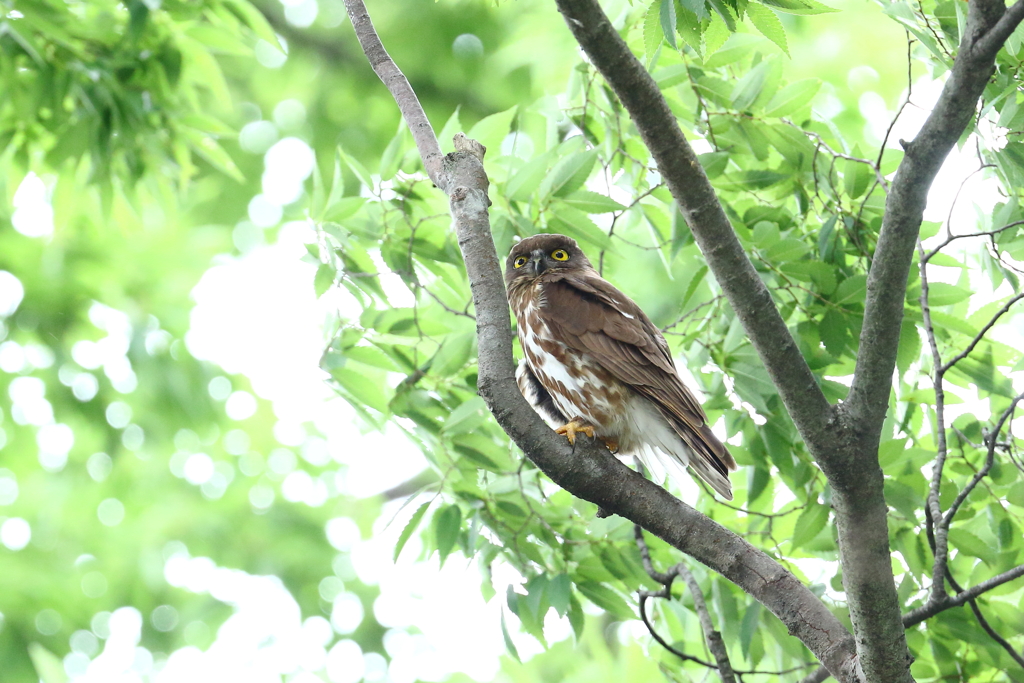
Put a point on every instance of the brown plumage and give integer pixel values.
(595, 363)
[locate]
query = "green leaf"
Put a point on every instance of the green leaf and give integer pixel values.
(667, 14)
(576, 224)
(606, 599)
(852, 290)
(528, 177)
(792, 97)
(491, 130)
(1015, 496)
(810, 522)
(715, 35)
(765, 234)
(966, 542)
(357, 168)
(757, 179)
(903, 497)
(757, 483)
(209, 149)
(255, 20)
(451, 127)
(749, 87)
(592, 202)
(342, 207)
(787, 250)
(410, 527)
(392, 157)
(454, 354)
(856, 176)
(653, 33)
(372, 356)
(697, 7)
(484, 452)
(467, 416)
(560, 593)
(910, 346)
(752, 616)
(725, 11)
(48, 665)
(364, 390)
(800, 6)
(690, 27)
(891, 452)
(943, 294)
(569, 174)
(323, 280)
(767, 22)
(834, 333)
(509, 645)
(447, 523)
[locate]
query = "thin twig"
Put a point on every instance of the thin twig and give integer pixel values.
(986, 233)
(978, 337)
(711, 635)
(934, 511)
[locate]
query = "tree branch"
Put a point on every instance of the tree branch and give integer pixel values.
(873, 606)
(588, 470)
(981, 335)
(644, 597)
(933, 511)
(711, 635)
(398, 85)
(988, 25)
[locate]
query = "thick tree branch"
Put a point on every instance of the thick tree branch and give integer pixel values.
(989, 43)
(588, 470)
(698, 203)
(988, 25)
(930, 609)
(874, 609)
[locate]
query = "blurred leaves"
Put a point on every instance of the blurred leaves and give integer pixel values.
(128, 115)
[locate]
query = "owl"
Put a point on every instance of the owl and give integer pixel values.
(595, 364)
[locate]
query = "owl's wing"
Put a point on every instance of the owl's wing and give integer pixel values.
(587, 313)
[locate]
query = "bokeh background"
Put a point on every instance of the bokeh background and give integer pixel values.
(183, 496)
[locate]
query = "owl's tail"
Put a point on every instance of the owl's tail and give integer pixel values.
(674, 464)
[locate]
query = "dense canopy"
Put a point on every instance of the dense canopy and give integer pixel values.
(240, 435)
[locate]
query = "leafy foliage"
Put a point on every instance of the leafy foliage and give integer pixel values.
(130, 112)
(808, 205)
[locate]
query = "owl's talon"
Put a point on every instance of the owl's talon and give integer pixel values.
(574, 427)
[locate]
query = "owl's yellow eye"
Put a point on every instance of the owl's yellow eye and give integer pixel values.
(560, 255)
(519, 262)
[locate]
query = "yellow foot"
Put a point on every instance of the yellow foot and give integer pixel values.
(611, 443)
(574, 427)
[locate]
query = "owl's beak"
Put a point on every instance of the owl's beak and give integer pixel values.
(537, 261)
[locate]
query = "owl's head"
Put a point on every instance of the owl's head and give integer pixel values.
(542, 253)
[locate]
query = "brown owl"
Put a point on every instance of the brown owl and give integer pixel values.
(595, 364)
